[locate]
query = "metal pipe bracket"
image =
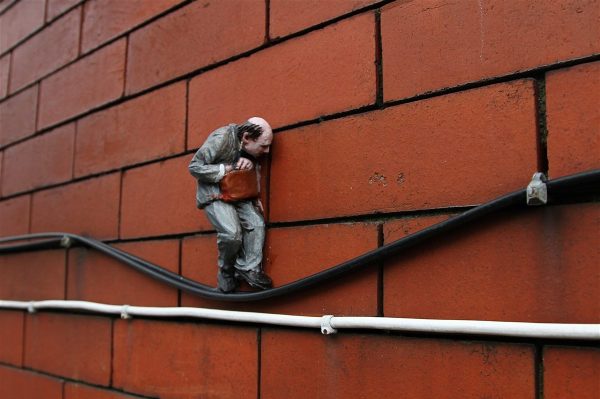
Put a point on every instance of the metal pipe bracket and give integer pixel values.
(326, 327)
(537, 191)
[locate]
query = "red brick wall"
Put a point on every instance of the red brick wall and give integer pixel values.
(390, 116)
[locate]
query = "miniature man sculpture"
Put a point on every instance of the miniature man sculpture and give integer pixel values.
(239, 223)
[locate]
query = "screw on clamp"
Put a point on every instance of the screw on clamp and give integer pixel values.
(537, 192)
(66, 242)
(326, 327)
(125, 312)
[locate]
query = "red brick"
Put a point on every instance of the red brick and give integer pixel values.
(87, 84)
(14, 214)
(79, 391)
(572, 98)
(378, 366)
(5, 4)
(98, 278)
(203, 360)
(160, 199)
(11, 337)
(432, 45)
(199, 258)
(73, 346)
(571, 372)
(57, 7)
(459, 149)
(291, 16)
(106, 19)
(33, 276)
(47, 51)
(90, 207)
(189, 39)
(4, 70)
(19, 21)
(18, 116)
(16, 383)
(324, 72)
(147, 127)
(294, 253)
(396, 229)
(41, 161)
(533, 265)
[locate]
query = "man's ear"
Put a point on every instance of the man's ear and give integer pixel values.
(245, 138)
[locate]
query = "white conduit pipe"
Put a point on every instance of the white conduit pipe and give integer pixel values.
(329, 324)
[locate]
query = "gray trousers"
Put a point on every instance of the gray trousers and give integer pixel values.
(240, 235)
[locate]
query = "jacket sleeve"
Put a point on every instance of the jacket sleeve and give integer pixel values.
(202, 166)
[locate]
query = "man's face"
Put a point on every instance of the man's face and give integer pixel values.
(259, 147)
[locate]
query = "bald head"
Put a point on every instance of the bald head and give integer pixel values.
(266, 128)
(254, 145)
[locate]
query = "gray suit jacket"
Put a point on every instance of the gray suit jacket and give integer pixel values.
(208, 165)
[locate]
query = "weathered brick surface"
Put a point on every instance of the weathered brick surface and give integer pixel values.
(96, 277)
(203, 360)
(19, 21)
(571, 372)
(147, 127)
(89, 207)
(533, 265)
(47, 51)
(479, 40)
(299, 364)
(291, 16)
(56, 7)
(292, 254)
(74, 346)
(160, 198)
(5, 4)
(11, 337)
(459, 149)
(324, 72)
(33, 276)
(89, 83)
(450, 150)
(105, 19)
(396, 229)
(16, 383)
(39, 162)
(18, 116)
(14, 214)
(189, 39)
(79, 391)
(4, 70)
(572, 98)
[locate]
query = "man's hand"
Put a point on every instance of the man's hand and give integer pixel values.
(244, 163)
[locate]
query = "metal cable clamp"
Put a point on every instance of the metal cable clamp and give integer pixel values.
(124, 312)
(66, 242)
(326, 327)
(537, 191)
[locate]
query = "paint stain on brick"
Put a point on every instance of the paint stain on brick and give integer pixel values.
(379, 179)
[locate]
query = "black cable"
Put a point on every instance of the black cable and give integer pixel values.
(569, 185)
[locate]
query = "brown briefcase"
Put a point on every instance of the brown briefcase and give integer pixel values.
(239, 185)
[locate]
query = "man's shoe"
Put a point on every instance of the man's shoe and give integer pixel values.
(226, 282)
(255, 279)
